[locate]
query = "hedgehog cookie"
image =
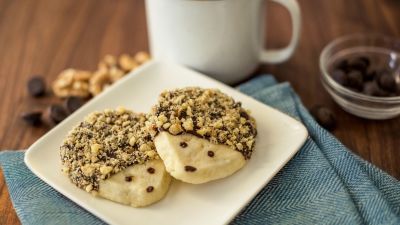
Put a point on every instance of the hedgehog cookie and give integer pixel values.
(111, 154)
(203, 134)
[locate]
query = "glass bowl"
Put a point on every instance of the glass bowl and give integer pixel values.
(381, 50)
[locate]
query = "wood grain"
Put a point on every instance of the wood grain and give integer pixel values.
(45, 37)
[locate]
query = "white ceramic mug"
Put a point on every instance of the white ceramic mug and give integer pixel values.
(222, 38)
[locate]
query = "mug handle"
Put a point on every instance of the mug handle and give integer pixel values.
(280, 55)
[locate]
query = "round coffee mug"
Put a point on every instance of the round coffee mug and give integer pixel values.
(221, 38)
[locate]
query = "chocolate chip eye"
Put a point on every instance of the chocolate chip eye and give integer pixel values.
(150, 189)
(128, 178)
(183, 144)
(190, 169)
(210, 153)
(151, 170)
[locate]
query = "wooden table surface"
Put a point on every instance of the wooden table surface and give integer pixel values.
(45, 37)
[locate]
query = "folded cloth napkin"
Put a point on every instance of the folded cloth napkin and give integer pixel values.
(324, 183)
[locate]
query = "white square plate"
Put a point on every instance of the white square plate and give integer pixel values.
(215, 203)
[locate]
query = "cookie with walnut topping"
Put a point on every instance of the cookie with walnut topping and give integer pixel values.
(111, 154)
(203, 134)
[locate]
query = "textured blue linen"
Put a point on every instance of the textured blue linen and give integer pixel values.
(323, 184)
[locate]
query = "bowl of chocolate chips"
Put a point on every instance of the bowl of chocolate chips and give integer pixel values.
(362, 74)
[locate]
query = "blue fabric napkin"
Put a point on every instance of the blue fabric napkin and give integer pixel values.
(323, 184)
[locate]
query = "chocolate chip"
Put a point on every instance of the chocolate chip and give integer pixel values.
(384, 93)
(361, 64)
(387, 82)
(355, 80)
(210, 153)
(32, 118)
(150, 189)
(370, 74)
(36, 86)
(183, 144)
(371, 88)
(366, 60)
(340, 77)
(190, 169)
(343, 65)
(360, 74)
(128, 178)
(57, 113)
(354, 89)
(324, 117)
(73, 103)
(151, 170)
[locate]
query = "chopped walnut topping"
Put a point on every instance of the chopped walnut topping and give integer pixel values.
(144, 148)
(162, 119)
(95, 148)
(175, 129)
(104, 170)
(206, 113)
(132, 141)
(151, 153)
(89, 188)
(188, 124)
(104, 144)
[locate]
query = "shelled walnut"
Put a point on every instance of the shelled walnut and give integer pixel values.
(73, 82)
